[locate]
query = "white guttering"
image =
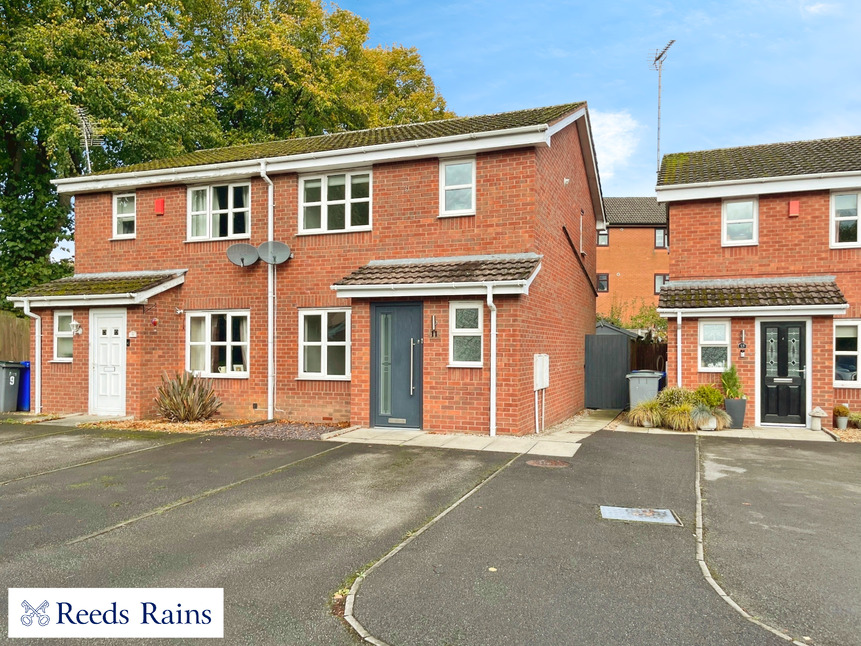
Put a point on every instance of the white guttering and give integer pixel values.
(323, 160)
(679, 348)
(36, 370)
(758, 186)
(270, 298)
(492, 307)
(780, 310)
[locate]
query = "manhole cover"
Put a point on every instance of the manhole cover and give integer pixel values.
(662, 516)
(548, 464)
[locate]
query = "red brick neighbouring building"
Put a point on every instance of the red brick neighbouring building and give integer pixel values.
(632, 255)
(765, 269)
(428, 265)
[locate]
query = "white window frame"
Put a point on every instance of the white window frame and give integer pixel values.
(832, 221)
(666, 280)
(712, 344)
(755, 220)
(839, 383)
(606, 234)
(347, 201)
(665, 236)
(230, 211)
(115, 234)
(324, 343)
(229, 373)
(62, 335)
(454, 332)
(442, 188)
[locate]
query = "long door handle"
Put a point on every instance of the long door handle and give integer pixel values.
(412, 366)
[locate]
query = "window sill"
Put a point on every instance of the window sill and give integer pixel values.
(121, 238)
(60, 361)
(321, 378)
(328, 233)
(192, 240)
(223, 375)
(465, 214)
(712, 369)
(465, 365)
(845, 245)
(740, 244)
(847, 384)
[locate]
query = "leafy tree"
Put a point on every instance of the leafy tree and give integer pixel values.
(164, 77)
(636, 315)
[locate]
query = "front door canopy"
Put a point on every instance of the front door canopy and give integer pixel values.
(445, 276)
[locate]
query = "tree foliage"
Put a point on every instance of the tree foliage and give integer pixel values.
(168, 76)
(636, 314)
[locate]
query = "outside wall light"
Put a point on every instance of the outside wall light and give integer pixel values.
(75, 327)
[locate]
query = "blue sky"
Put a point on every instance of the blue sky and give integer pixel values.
(740, 73)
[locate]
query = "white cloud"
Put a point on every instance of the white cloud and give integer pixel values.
(616, 135)
(819, 8)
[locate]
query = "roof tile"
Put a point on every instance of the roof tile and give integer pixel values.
(634, 210)
(761, 293)
(445, 270)
(97, 285)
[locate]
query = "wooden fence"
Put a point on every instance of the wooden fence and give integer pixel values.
(14, 337)
(648, 356)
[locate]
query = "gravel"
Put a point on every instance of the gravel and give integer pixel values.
(281, 430)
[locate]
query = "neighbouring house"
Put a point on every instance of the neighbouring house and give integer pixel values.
(428, 265)
(766, 271)
(633, 255)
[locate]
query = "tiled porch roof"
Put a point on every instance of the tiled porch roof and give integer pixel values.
(104, 284)
(763, 292)
(426, 271)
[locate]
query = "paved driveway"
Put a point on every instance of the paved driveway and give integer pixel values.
(278, 524)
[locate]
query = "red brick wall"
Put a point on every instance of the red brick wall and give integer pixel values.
(405, 225)
(631, 261)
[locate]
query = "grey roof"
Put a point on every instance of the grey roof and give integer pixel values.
(814, 157)
(105, 284)
(464, 269)
(634, 210)
(762, 292)
(358, 138)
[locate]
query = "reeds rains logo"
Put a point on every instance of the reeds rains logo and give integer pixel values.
(116, 612)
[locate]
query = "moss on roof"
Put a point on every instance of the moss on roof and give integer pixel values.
(95, 286)
(358, 138)
(840, 154)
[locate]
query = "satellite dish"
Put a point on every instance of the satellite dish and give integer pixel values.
(274, 253)
(242, 254)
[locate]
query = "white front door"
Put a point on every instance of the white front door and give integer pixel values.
(108, 362)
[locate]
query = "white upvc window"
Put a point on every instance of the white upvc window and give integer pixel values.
(740, 222)
(457, 187)
(335, 203)
(465, 332)
(713, 345)
(124, 216)
(846, 353)
(218, 212)
(844, 220)
(324, 344)
(217, 343)
(63, 335)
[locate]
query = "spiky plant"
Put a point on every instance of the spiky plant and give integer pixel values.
(186, 398)
(675, 396)
(679, 418)
(647, 414)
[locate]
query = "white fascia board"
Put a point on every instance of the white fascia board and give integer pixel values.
(432, 289)
(758, 186)
(311, 162)
(590, 160)
(725, 312)
(564, 123)
(93, 300)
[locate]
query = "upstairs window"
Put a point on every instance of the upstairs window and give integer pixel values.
(335, 203)
(219, 212)
(844, 220)
(661, 241)
(604, 238)
(457, 187)
(660, 281)
(63, 335)
(740, 223)
(603, 282)
(124, 216)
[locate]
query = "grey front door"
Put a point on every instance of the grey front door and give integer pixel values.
(783, 384)
(396, 365)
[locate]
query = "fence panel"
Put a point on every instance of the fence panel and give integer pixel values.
(14, 338)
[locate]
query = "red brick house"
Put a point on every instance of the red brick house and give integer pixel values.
(633, 254)
(428, 265)
(765, 268)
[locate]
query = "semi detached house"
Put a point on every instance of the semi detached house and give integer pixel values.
(428, 264)
(766, 273)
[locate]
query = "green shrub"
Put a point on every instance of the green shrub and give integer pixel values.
(186, 398)
(731, 384)
(680, 418)
(647, 413)
(855, 419)
(841, 411)
(709, 395)
(675, 396)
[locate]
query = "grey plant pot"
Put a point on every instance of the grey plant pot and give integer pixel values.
(736, 408)
(842, 422)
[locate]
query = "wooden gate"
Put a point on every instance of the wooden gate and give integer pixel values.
(608, 360)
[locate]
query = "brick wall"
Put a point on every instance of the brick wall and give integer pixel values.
(631, 261)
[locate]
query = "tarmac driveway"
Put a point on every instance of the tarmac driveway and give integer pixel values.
(278, 524)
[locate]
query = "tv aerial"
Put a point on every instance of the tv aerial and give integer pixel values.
(90, 135)
(274, 253)
(242, 254)
(658, 65)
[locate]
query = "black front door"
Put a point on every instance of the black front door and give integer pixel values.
(396, 365)
(783, 383)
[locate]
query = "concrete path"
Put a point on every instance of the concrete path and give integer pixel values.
(753, 433)
(562, 440)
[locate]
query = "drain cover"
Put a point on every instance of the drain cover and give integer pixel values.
(548, 464)
(662, 516)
